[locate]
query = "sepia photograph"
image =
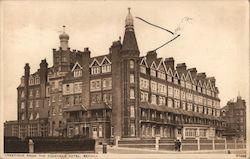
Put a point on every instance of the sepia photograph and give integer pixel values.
(124, 79)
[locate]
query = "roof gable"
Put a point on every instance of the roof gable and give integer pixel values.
(105, 60)
(95, 63)
(144, 62)
(76, 66)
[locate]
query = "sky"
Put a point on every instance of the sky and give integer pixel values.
(215, 41)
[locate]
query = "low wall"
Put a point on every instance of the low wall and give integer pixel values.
(49, 144)
(187, 144)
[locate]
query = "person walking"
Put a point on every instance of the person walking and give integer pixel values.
(179, 145)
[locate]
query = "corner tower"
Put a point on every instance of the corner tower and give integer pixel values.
(130, 80)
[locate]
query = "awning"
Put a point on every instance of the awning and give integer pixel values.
(99, 106)
(75, 108)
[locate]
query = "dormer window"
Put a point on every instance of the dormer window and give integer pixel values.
(95, 70)
(31, 81)
(143, 69)
(152, 72)
(77, 73)
(37, 80)
(169, 78)
(161, 75)
(106, 68)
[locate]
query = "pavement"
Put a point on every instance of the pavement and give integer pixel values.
(122, 150)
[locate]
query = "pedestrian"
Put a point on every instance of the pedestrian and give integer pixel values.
(175, 145)
(179, 145)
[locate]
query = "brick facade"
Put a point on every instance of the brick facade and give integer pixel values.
(119, 94)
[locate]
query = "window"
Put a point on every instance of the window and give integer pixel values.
(37, 93)
(132, 111)
(60, 97)
(203, 132)
(132, 129)
(95, 85)
(170, 103)
(162, 89)
(176, 81)
(153, 86)
(37, 115)
(132, 78)
(132, 64)
(104, 97)
(162, 100)
(22, 116)
(132, 93)
(31, 81)
(170, 91)
(22, 94)
(191, 132)
(67, 88)
(77, 73)
(95, 70)
(31, 116)
(161, 75)
(169, 78)
(78, 87)
(30, 93)
(153, 99)
(143, 69)
(144, 83)
(176, 93)
(100, 131)
(189, 107)
(176, 103)
(37, 80)
(144, 96)
(107, 83)
(22, 105)
(106, 68)
(64, 59)
(37, 103)
(31, 104)
(152, 72)
(53, 98)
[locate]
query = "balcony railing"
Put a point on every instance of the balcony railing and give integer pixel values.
(98, 119)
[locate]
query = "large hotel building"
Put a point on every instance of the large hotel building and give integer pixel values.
(116, 95)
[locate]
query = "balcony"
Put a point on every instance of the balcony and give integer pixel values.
(91, 119)
(159, 120)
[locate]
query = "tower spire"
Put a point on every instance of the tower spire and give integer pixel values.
(129, 22)
(129, 40)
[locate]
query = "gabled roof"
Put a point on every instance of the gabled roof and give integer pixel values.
(160, 62)
(105, 59)
(144, 62)
(100, 59)
(176, 74)
(189, 77)
(153, 65)
(75, 66)
(170, 72)
(94, 61)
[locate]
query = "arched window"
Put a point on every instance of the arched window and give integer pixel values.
(132, 64)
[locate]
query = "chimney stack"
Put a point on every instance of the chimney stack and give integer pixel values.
(169, 62)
